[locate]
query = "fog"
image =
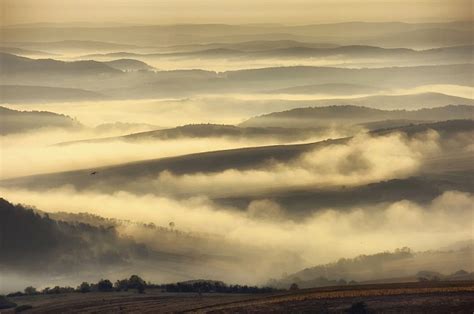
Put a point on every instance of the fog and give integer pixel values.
(332, 233)
(363, 160)
(265, 240)
(38, 150)
(363, 181)
(230, 108)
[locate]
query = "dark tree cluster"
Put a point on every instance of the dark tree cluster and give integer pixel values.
(138, 284)
(35, 241)
(213, 287)
(134, 282)
(103, 285)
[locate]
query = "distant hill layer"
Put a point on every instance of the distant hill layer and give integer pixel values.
(14, 65)
(301, 203)
(128, 65)
(111, 178)
(330, 89)
(37, 94)
(13, 121)
(212, 131)
(388, 34)
(408, 102)
(403, 265)
(23, 52)
(180, 83)
(456, 54)
(317, 116)
(73, 45)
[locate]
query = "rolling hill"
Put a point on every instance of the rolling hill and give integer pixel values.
(344, 114)
(191, 82)
(14, 94)
(129, 65)
(374, 33)
(330, 89)
(301, 203)
(74, 45)
(23, 52)
(14, 121)
(12, 64)
(111, 178)
(401, 265)
(457, 54)
(179, 83)
(385, 102)
(211, 131)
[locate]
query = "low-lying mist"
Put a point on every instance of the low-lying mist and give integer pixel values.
(323, 237)
(39, 151)
(364, 159)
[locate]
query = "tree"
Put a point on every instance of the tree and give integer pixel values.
(294, 287)
(135, 282)
(30, 290)
(121, 285)
(104, 285)
(84, 287)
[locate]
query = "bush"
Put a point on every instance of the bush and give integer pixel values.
(84, 287)
(104, 285)
(135, 282)
(30, 290)
(121, 285)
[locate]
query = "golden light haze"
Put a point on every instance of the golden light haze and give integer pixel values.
(232, 11)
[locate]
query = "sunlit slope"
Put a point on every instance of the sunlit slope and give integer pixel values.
(119, 177)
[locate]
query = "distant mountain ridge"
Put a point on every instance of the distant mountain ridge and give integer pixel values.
(152, 84)
(37, 94)
(211, 131)
(14, 121)
(373, 33)
(14, 65)
(313, 116)
(307, 50)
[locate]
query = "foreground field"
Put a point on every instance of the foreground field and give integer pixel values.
(427, 297)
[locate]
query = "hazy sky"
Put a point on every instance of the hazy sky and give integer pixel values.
(232, 11)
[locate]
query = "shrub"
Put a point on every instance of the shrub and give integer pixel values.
(105, 285)
(30, 290)
(84, 287)
(135, 282)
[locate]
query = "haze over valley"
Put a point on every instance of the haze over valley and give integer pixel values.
(316, 152)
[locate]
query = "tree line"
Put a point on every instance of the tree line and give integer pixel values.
(139, 285)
